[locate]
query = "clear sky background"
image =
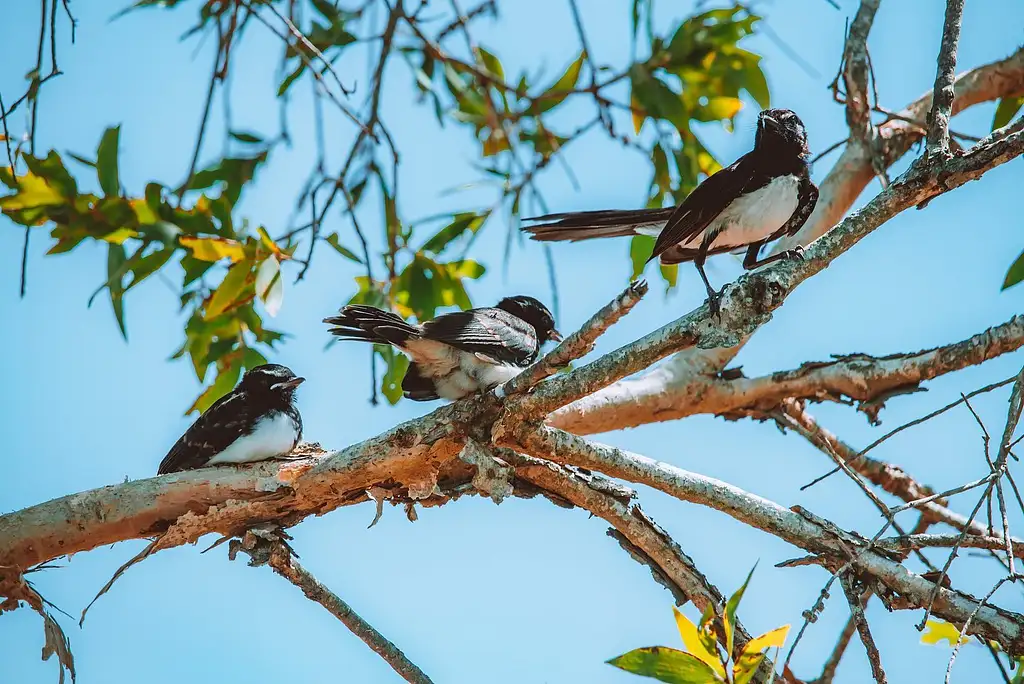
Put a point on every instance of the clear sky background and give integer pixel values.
(524, 591)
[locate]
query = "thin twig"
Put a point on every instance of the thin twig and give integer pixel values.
(916, 421)
(970, 618)
(853, 596)
(943, 94)
(206, 113)
(279, 557)
(577, 344)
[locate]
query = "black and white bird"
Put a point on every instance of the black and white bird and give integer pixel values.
(256, 421)
(460, 353)
(763, 195)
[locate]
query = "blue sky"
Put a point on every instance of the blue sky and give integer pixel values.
(524, 591)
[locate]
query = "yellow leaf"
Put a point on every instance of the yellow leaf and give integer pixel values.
(230, 291)
(937, 630)
(638, 114)
(143, 212)
(213, 248)
(775, 637)
(691, 639)
(33, 191)
(120, 235)
(723, 107)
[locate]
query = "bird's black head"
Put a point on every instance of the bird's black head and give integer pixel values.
(780, 131)
(272, 380)
(534, 313)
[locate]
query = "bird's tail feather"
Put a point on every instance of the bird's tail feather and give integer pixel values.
(587, 225)
(370, 324)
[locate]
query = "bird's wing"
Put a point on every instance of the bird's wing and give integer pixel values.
(807, 199)
(494, 333)
(212, 432)
(704, 204)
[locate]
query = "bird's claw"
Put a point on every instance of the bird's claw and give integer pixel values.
(715, 302)
(797, 253)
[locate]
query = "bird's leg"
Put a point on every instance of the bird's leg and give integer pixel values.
(750, 261)
(714, 297)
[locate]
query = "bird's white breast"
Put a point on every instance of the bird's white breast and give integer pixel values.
(754, 216)
(274, 436)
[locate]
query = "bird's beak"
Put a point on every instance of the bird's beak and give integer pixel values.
(555, 335)
(288, 384)
(767, 118)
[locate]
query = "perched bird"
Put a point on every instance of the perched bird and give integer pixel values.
(256, 421)
(763, 195)
(460, 353)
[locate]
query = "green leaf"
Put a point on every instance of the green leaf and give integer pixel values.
(249, 138)
(344, 251)
(1015, 274)
(670, 273)
(226, 380)
(757, 85)
(116, 259)
(230, 290)
(270, 285)
(666, 665)
(148, 265)
(397, 364)
(461, 224)
(491, 63)
(290, 79)
(106, 162)
(730, 611)
(556, 94)
(640, 249)
(1008, 106)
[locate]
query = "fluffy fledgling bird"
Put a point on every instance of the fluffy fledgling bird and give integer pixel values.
(456, 354)
(256, 421)
(763, 195)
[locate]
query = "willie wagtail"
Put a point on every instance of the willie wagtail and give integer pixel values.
(256, 421)
(763, 195)
(459, 353)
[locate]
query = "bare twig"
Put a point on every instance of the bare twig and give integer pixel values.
(828, 671)
(577, 344)
(912, 423)
(279, 557)
(942, 98)
(967, 623)
(853, 596)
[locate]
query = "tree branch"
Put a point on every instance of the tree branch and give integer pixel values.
(833, 546)
(263, 549)
(943, 94)
(861, 621)
(662, 395)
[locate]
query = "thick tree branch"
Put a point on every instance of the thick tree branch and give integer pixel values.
(660, 396)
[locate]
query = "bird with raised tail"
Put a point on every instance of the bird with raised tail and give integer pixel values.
(256, 421)
(763, 195)
(456, 354)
